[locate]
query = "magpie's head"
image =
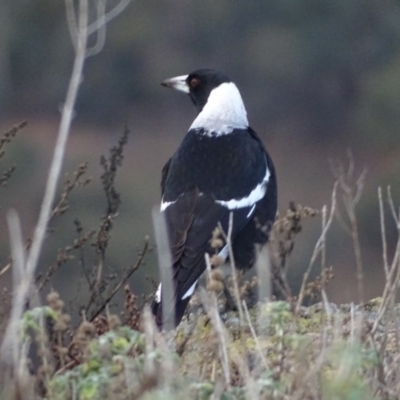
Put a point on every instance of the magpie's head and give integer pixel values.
(199, 84)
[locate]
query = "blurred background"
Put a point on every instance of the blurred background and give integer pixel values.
(318, 77)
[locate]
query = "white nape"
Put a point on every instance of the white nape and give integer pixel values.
(255, 195)
(223, 112)
(190, 291)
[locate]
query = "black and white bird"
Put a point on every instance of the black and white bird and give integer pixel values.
(221, 167)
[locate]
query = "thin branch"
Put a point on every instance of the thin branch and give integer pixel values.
(25, 272)
(392, 208)
(323, 246)
(255, 337)
(5, 269)
(393, 278)
(101, 31)
(27, 269)
(228, 239)
(168, 293)
(360, 183)
(95, 26)
(122, 282)
(263, 270)
(71, 21)
(383, 233)
(317, 249)
(10, 341)
(59, 151)
(350, 201)
(212, 310)
(357, 251)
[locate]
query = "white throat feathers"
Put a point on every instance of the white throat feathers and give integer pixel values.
(223, 112)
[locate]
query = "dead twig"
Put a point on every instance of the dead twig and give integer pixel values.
(351, 194)
(129, 273)
(317, 249)
(210, 303)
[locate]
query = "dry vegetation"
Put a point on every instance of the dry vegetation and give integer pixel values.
(265, 348)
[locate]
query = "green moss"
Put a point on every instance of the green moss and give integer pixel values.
(348, 363)
(311, 323)
(373, 304)
(310, 353)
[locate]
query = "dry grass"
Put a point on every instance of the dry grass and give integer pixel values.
(273, 350)
(267, 349)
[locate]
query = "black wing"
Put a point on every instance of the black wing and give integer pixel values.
(164, 174)
(190, 223)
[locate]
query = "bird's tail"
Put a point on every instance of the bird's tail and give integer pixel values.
(172, 319)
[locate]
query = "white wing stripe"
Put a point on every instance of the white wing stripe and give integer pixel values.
(165, 205)
(251, 211)
(224, 253)
(186, 295)
(158, 294)
(190, 291)
(255, 195)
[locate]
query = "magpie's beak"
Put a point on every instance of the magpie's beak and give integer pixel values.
(177, 83)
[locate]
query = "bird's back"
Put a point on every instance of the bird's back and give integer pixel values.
(226, 167)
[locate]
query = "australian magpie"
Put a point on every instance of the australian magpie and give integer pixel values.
(221, 167)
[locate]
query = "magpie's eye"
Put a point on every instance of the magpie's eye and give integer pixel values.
(194, 82)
